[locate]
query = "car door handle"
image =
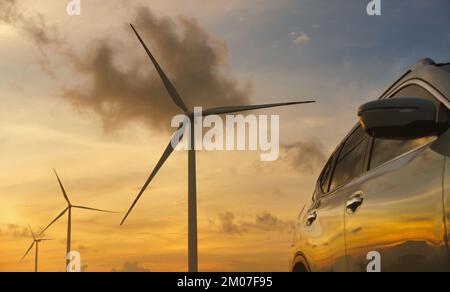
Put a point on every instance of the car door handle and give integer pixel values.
(354, 203)
(311, 218)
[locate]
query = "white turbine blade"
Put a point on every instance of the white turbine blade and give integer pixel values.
(62, 188)
(169, 150)
(56, 219)
(236, 109)
(92, 209)
(31, 246)
(169, 86)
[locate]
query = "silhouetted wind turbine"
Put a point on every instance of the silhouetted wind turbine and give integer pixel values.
(36, 242)
(68, 209)
(192, 188)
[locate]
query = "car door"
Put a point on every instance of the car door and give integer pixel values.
(442, 146)
(396, 210)
(447, 192)
(323, 241)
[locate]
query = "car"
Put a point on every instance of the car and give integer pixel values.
(382, 201)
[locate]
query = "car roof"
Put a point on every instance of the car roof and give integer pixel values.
(426, 70)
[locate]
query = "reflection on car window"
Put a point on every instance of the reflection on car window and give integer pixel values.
(325, 179)
(326, 174)
(351, 159)
(386, 150)
(416, 91)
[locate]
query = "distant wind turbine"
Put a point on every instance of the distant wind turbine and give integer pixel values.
(68, 209)
(36, 242)
(192, 187)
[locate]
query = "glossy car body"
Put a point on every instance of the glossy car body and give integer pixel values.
(384, 196)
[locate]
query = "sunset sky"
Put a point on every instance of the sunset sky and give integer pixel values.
(79, 95)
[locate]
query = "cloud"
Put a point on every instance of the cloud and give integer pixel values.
(118, 88)
(305, 156)
(300, 38)
(131, 267)
(16, 231)
(267, 222)
(33, 25)
(195, 62)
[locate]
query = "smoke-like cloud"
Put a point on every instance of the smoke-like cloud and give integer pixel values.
(120, 89)
(305, 156)
(267, 222)
(32, 24)
(195, 62)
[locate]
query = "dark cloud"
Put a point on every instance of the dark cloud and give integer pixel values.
(121, 88)
(195, 62)
(264, 222)
(32, 24)
(131, 267)
(305, 156)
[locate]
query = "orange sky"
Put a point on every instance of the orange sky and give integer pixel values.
(39, 131)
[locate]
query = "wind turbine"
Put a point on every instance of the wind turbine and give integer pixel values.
(36, 242)
(192, 187)
(68, 210)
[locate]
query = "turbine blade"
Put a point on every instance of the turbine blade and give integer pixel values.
(62, 188)
(32, 233)
(92, 209)
(28, 251)
(169, 150)
(235, 109)
(56, 219)
(169, 86)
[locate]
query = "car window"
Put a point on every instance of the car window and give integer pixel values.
(386, 150)
(416, 91)
(326, 175)
(351, 159)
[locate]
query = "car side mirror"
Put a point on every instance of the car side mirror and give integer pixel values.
(399, 118)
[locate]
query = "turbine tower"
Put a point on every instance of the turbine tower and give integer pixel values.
(68, 210)
(36, 242)
(192, 187)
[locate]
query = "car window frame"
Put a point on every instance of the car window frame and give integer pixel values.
(331, 162)
(365, 160)
(333, 159)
